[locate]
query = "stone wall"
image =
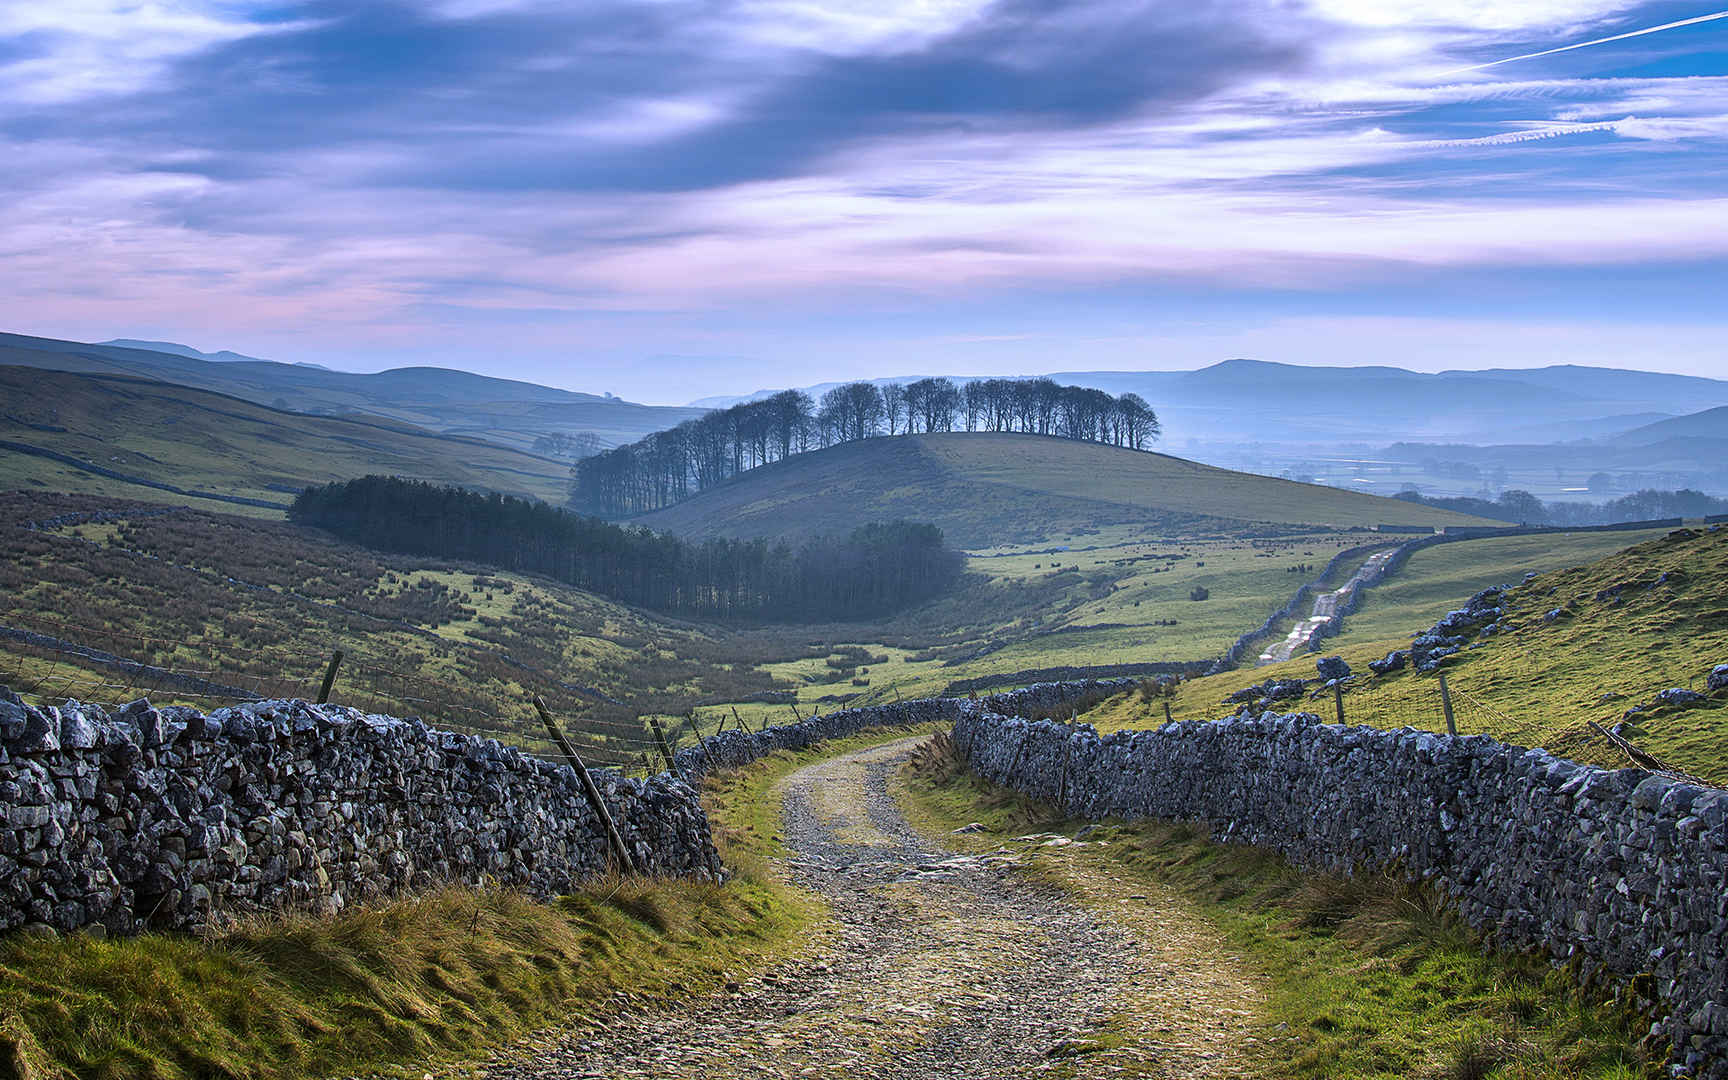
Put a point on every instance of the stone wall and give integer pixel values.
(172, 819)
(732, 749)
(1623, 872)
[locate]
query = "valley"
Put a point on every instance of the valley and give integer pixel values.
(1079, 560)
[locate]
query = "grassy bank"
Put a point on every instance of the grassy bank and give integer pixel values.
(395, 987)
(1365, 978)
(401, 987)
(1590, 643)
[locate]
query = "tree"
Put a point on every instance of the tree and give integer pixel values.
(895, 408)
(1520, 506)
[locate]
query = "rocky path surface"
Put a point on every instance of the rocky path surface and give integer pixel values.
(940, 964)
(1326, 605)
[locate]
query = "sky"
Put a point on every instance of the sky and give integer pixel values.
(667, 199)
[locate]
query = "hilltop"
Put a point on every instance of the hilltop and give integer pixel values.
(199, 441)
(438, 399)
(988, 489)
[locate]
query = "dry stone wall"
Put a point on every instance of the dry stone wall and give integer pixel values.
(170, 818)
(1623, 872)
(732, 749)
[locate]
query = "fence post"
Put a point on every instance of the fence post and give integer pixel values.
(589, 788)
(665, 748)
(741, 725)
(1338, 699)
(1446, 705)
(329, 677)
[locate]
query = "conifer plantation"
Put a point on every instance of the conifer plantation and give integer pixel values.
(877, 569)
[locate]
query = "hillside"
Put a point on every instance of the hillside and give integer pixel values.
(219, 607)
(437, 399)
(988, 490)
(1709, 424)
(200, 441)
(1589, 643)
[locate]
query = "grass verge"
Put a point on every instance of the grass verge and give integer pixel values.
(401, 987)
(1365, 977)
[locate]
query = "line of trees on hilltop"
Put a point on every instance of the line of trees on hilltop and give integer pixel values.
(1526, 509)
(875, 570)
(669, 466)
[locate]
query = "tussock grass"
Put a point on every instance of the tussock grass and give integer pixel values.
(1368, 976)
(376, 988)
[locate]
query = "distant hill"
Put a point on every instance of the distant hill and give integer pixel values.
(225, 356)
(1709, 424)
(985, 490)
(200, 441)
(1388, 404)
(438, 399)
(1254, 400)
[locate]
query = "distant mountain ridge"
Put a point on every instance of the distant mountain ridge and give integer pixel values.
(506, 411)
(1243, 399)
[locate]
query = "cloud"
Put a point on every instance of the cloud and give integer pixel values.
(388, 167)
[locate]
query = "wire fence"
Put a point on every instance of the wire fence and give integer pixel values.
(46, 661)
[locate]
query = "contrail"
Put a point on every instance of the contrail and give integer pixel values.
(1599, 41)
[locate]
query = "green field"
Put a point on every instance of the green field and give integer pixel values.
(206, 442)
(1543, 684)
(988, 490)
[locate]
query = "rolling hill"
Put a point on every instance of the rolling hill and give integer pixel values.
(202, 442)
(1711, 424)
(438, 399)
(987, 490)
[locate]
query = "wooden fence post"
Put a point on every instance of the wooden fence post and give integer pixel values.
(1338, 699)
(589, 788)
(665, 747)
(1446, 705)
(329, 677)
(741, 725)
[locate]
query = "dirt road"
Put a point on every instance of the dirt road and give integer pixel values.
(940, 964)
(1326, 605)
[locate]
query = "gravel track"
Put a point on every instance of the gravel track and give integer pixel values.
(937, 964)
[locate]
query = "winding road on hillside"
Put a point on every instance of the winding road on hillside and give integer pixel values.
(937, 964)
(1326, 606)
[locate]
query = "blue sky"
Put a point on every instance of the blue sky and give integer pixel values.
(672, 198)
